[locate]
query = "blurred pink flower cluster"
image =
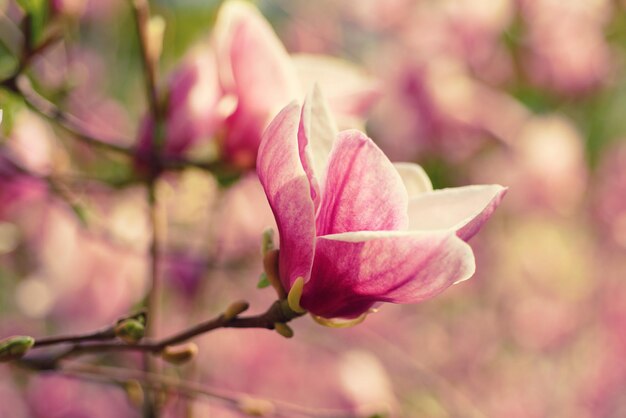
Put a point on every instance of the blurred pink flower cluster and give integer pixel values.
(228, 89)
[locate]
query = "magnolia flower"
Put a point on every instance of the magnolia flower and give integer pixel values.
(231, 88)
(355, 229)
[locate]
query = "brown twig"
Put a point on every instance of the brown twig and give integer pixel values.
(107, 333)
(278, 312)
(141, 14)
(66, 121)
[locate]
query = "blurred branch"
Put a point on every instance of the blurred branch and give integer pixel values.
(141, 14)
(104, 334)
(154, 294)
(19, 83)
(67, 122)
(248, 404)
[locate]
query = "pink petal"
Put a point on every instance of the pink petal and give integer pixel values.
(461, 209)
(288, 192)
(192, 111)
(353, 271)
(260, 75)
(315, 139)
(415, 179)
(363, 191)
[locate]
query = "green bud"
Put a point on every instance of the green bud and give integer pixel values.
(14, 348)
(235, 309)
(141, 317)
(264, 281)
(270, 265)
(267, 242)
(130, 331)
(179, 354)
(283, 329)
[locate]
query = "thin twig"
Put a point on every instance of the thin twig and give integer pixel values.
(68, 122)
(107, 333)
(141, 14)
(104, 334)
(154, 295)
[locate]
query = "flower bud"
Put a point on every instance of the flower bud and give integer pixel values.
(130, 330)
(283, 329)
(256, 407)
(270, 264)
(179, 354)
(235, 309)
(267, 242)
(155, 32)
(14, 348)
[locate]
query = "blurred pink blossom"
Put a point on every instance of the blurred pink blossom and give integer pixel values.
(552, 59)
(232, 91)
(609, 192)
(355, 228)
(16, 188)
(438, 107)
(544, 163)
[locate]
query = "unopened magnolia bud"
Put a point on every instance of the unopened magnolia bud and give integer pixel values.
(156, 30)
(134, 392)
(256, 407)
(179, 354)
(270, 264)
(130, 330)
(283, 329)
(235, 309)
(267, 242)
(14, 348)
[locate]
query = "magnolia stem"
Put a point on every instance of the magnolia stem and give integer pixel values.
(104, 334)
(278, 312)
(154, 294)
(67, 122)
(141, 14)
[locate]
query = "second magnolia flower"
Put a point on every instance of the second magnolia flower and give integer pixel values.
(356, 228)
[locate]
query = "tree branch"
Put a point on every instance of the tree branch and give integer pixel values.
(278, 312)
(67, 122)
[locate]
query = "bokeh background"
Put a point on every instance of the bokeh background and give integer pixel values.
(530, 94)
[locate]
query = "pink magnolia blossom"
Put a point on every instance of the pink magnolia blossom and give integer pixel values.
(357, 229)
(231, 88)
